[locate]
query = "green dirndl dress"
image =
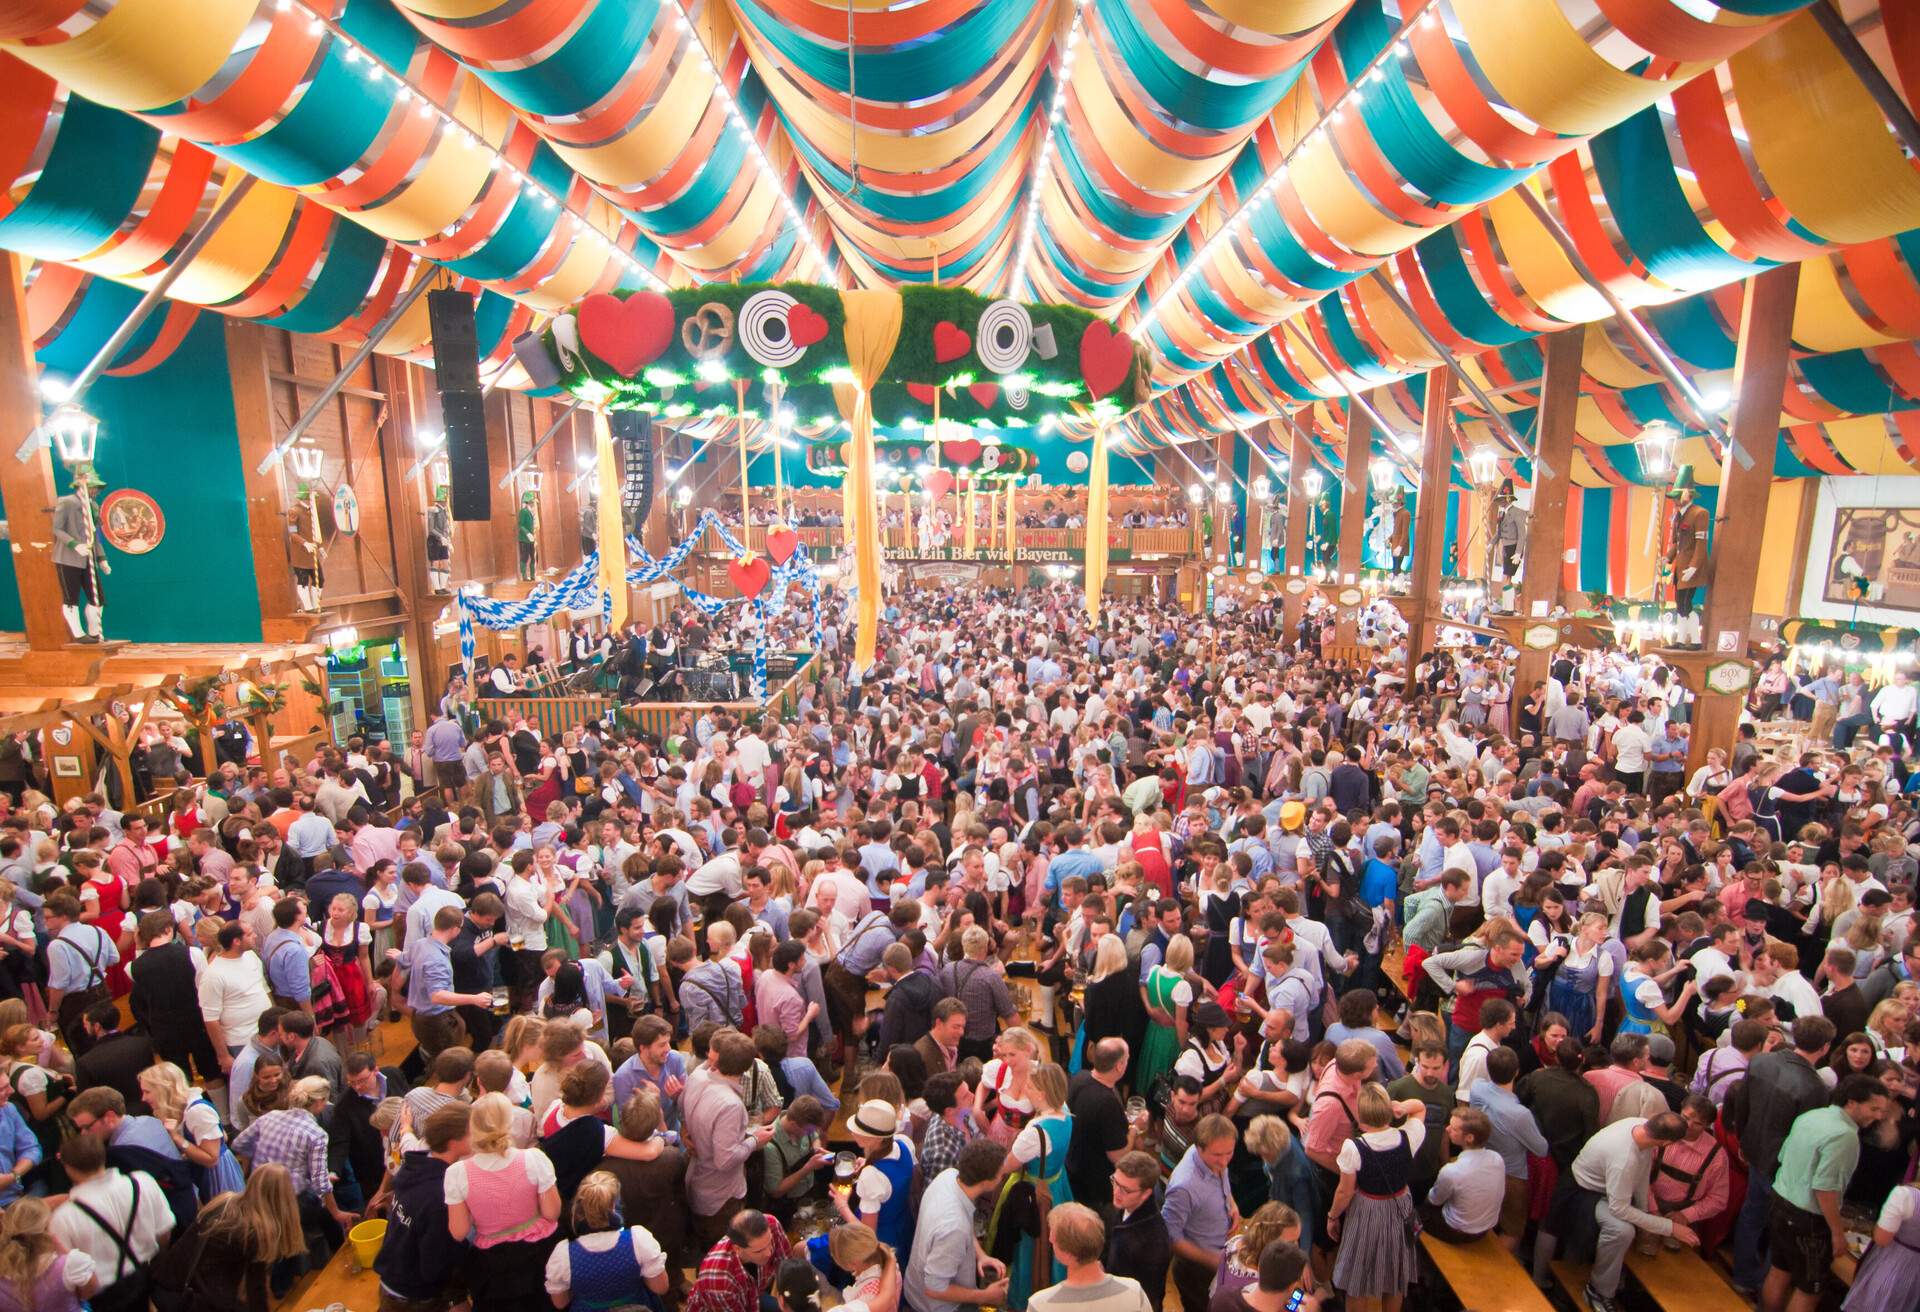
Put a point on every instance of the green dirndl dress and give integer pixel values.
(1162, 1045)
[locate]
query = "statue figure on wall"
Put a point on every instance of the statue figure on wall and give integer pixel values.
(309, 528)
(589, 523)
(527, 533)
(1509, 533)
(77, 558)
(1399, 532)
(1686, 558)
(440, 542)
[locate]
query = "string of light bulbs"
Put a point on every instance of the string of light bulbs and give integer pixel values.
(743, 129)
(1055, 124)
(1373, 71)
(412, 97)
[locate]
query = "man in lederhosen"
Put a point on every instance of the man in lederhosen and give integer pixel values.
(440, 543)
(76, 556)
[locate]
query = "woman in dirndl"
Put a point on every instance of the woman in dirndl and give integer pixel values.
(1040, 1152)
(1006, 1085)
(608, 1264)
(1372, 1216)
(1580, 985)
(1890, 1271)
(347, 944)
(506, 1201)
(1168, 997)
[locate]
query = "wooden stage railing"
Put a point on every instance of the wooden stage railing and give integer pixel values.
(1138, 541)
(553, 716)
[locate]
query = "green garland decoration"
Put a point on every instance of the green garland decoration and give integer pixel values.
(679, 354)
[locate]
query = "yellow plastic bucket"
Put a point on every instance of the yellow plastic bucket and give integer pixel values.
(366, 1239)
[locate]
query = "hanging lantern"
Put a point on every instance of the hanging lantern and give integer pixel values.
(1656, 446)
(75, 433)
(1194, 493)
(531, 479)
(306, 461)
(440, 473)
(1262, 488)
(1313, 483)
(1382, 473)
(1483, 467)
(1223, 492)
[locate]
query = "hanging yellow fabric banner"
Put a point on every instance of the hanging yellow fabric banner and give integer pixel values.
(1096, 549)
(872, 329)
(613, 538)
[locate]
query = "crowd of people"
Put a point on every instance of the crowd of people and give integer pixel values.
(1147, 961)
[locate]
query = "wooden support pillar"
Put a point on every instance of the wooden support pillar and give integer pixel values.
(1540, 571)
(406, 500)
(1294, 555)
(1222, 545)
(504, 506)
(26, 486)
(1353, 517)
(1746, 481)
(250, 352)
(1430, 517)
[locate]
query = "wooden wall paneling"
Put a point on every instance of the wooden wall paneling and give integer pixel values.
(250, 351)
(506, 438)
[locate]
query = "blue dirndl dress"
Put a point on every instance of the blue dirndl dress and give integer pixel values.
(225, 1175)
(603, 1281)
(1639, 1020)
(1573, 992)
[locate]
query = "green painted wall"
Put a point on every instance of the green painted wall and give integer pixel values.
(170, 433)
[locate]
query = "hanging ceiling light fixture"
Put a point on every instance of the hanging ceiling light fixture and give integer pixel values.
(1656, 446)
(1313, 483)
(1483, 466)
(306, 461)
(75, 433)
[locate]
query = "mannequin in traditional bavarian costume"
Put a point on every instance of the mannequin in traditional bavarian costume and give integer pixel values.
(882, 1194)
(608, 1264)
(1040, 1150)
(306, 539)
(77, 558)
(440, 542)
(1509, 539)
(527, 532)
(1399, 531)
(1686, 559)
(589, 521)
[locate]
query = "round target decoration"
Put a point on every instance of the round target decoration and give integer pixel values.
(1077, 461)
(1004, 337)
(765, 334)
(131, 521)
(1015, 394)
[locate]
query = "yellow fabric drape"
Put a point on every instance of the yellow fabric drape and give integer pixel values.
(613, 538)
(872, 329)
(972, 505)
(1096, 550)
(1013, 504)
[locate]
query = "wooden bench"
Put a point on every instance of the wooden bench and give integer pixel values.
(1676, 1281)
(1681, 1278)
(1484, 1276)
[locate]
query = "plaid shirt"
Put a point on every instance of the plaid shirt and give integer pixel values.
(940, 1149)
(294, 1139)
(723, 1284)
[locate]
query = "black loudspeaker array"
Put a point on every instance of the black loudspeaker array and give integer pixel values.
(456, 362)
(633, 430)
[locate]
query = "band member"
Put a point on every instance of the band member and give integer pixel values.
(440, 542)
(76, 556)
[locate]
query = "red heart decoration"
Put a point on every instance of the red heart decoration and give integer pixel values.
(749, 576)
(939, 483)
(1105, 357)
(984, 394)
(805, 326)
(921, 392)
(626, 333)
(781, 544)
(964, 452)
(950, 342)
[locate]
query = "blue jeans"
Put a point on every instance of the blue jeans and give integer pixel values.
(1457, 1039)
(1750, 1233)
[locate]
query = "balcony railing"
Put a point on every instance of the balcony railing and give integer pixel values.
(1135, 542)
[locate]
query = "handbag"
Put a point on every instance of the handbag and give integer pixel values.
(167, 1295)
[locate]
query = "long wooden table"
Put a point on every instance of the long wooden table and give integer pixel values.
(1484, 1276)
